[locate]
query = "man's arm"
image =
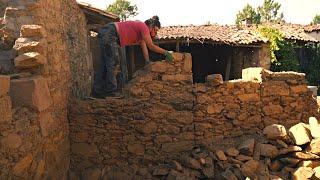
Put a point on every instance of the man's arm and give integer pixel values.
(148, 41)
(145, 51)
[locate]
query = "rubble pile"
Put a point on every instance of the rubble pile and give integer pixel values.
(283, 154)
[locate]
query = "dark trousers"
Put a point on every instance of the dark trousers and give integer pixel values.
(112, 71)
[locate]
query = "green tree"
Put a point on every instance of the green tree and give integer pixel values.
(248, 15)
(269, 11)
(123, 9)
(316, 19)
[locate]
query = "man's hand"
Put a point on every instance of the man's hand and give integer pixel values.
(169, 57)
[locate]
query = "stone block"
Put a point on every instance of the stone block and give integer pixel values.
(214, 79)
(314, 127)
(136, 149)
(302, 173)
(5, 109)
(187, 65)
(29, 60)
(314, 146)
(24, 45)
(4, 85)
(46, 123)
(300, 134)
(159, 67)
(268, 150)
(252, 74)
(275, 131)
(30, 92)
(32, 30)
(214, 109)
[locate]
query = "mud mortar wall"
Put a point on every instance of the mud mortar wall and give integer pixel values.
(164, 115)
(48, 43)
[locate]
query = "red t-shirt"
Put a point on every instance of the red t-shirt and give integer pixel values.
(131, 32)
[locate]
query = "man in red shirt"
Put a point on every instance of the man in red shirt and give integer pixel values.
(126, 33)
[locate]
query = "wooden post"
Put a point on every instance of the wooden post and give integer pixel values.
(177, 46)
(227, 75)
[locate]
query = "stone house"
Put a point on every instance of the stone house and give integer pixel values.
(50, 130)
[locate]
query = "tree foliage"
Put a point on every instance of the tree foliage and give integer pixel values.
(123, 8)
(248, 15)
(316, 19)
(267, 12)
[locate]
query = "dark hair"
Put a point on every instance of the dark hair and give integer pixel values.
(153, 22)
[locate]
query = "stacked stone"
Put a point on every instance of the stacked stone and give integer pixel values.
(152, 123)
(226, 110)
(285, 98)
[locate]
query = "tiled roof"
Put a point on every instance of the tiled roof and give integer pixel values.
(98, 11)
(231, 34)
(294, 31)
(215, 33)
(311, 28)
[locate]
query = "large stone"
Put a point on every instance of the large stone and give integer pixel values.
(5, 109)
(221, 156)
(289, 161)
(12, 141)
(137, 149)
(252, 74)
(300, 134)
(24, 45)
(147, 128)
(214, 79)
(302, 173)
(314, 146)
(20, 169)
(316, 174)
(30, 92)
(32, 30)
(84, 149)
(29, 60)
(299, 89)
(246, 147)
(250, 168)
(275, 131)
(4, 85)
(268, 150)
(47, 123)
(309, 163)
(159, 67)
(314, 127)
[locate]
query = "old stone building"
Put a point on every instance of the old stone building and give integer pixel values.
(50, 130)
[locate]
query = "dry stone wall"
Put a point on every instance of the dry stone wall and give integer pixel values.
(164, 115)
(45, 55)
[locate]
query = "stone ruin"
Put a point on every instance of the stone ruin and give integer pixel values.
(165, 127)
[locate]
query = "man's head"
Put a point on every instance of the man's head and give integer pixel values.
(154, 25)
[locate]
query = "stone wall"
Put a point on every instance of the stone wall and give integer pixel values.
(45, 54)
(164, 115)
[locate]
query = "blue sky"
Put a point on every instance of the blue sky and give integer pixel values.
(185, 12)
